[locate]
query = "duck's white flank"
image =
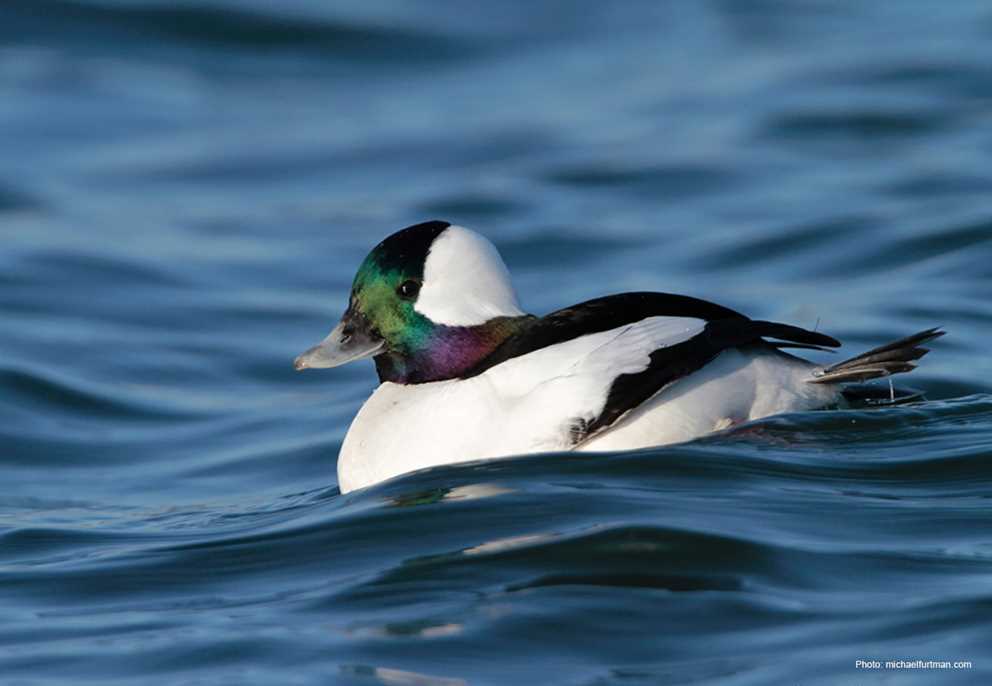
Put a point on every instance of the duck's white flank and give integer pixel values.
(531, 403)
(738, 386)
(466, 282)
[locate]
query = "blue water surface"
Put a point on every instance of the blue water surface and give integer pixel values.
(186, 190)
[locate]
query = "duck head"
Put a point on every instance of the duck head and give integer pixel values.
(428, 303)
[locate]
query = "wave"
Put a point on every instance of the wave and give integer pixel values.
(226, 27)
(50, 393)
(810, 530)
(13, 200)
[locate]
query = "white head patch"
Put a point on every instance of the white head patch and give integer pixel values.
(465, 281)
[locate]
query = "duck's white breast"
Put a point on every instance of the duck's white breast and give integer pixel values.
(404, 428)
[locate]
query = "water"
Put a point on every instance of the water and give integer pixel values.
(186, 191)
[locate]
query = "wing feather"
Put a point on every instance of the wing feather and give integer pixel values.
(579, 370)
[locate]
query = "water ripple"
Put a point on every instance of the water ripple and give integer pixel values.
(187, 191)
(227, 28)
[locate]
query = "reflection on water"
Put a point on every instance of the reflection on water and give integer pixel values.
(502, 544)
(398, 677)
(465, 492)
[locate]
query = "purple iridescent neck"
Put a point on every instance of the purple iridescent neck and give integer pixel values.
(447, 352)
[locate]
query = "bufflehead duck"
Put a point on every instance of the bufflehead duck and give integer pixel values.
(466, 374)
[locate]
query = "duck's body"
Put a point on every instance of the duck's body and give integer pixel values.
(467, 375)
(504, 412)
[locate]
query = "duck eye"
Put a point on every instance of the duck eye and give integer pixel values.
(408, 289)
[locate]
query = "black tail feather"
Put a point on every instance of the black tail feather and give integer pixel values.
(804, 346)
(793, 334)
(892, 358)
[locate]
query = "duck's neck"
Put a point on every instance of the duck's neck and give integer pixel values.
(447, 352)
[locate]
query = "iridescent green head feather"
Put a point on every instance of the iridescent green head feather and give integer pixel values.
(388, 282)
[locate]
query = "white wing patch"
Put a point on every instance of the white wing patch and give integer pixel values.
(547, 390)
(628, 349)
